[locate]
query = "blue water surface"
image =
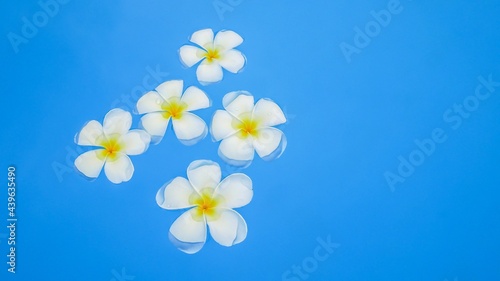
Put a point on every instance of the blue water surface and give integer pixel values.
(392, 165)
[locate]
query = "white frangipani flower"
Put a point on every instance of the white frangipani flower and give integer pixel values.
(115, 141)
(243, 128)
(215, 53)
(211, 203)
(168, 103)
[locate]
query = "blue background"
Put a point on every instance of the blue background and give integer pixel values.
(348, 124)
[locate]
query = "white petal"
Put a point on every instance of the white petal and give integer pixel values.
(269, 143)
(236, 151)
(236, 190)
(195, 99)
(149, 102)
(268, 113)
(117, 121)
(209, 72)
(190, 128)
(89, 163)
(190, 55)
(89, 134)
(238, 102)
(136, 142)
(155, 124)
(228, 39)
(175, 194)
(172, 88)
(232, 61)
(187, 234)
(204, 173)
(203, 37)
(230, 229)
(222, 125)
(120, 169)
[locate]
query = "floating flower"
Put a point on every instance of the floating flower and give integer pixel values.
(166, 103)
(215, 54)
(115, 141)
(211, 202)
(243, 128)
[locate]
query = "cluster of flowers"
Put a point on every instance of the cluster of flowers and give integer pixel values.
(243, 128)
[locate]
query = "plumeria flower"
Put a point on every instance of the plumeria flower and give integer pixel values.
(214, 53)
(114, 141)
(211, 202)
(244, 128)
(168, 103)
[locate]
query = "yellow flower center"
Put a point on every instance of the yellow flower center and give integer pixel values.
(205, 205)
(246, 126)
(112, 146)
(174, 108)
(212, 54)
